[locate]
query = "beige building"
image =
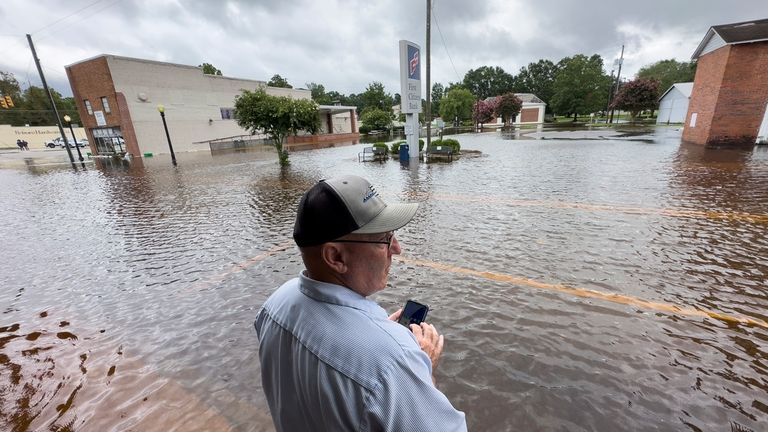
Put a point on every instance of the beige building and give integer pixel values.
(36, 136)
(118, 99)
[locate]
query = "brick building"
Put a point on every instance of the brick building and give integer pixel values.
(730, 92)
(117, 98)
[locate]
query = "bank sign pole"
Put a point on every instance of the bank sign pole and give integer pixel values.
(410, 93)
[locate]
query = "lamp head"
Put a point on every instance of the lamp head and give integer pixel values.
(161, 108)
(67, 118)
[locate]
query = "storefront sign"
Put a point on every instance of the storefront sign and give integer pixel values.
(410, 77)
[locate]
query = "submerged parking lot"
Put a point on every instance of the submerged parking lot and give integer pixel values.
(585, 280)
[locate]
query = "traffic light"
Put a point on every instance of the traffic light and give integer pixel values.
(3, 103)
(9, 102)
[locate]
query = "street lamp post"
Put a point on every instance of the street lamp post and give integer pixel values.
(161, 109)
(68, 119)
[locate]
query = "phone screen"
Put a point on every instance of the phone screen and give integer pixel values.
(413, 313)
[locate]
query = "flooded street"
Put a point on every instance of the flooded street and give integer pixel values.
(586, 280)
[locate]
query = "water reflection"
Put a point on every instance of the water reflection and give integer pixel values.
(131, 288)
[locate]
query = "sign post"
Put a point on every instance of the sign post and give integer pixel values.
(410, 93)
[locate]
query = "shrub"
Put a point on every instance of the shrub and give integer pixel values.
(454, 144)
(382, 145)
(448, 142)
(364, 129)
(421, 144)
(395, 149)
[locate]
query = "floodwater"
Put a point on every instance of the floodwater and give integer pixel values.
(584, 281)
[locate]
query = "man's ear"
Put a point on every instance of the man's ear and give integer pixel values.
(334, 257)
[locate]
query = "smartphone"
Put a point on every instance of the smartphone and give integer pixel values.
(413, 313)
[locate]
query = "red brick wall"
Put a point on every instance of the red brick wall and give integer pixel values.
(91, 80)
(706, 87)
(529, 115)
(743, 96)
(730, 94)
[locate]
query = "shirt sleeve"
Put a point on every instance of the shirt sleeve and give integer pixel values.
(407, 400)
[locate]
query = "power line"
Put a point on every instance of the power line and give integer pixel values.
(107, 6)
(458, 79)
(65, 17)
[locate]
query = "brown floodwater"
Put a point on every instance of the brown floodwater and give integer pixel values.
(585, 280)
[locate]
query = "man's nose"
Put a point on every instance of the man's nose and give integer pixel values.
(395, 248)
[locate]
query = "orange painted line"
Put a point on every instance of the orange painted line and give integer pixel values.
(584, 292)
(238, 267)
(682, 213)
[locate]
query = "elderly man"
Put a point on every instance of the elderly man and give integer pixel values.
(331, 359)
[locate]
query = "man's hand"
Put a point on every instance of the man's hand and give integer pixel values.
(430, 341)
(396, 316)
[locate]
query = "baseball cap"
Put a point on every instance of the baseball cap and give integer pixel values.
(344, 205)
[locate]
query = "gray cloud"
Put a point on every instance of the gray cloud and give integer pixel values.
(345, 45)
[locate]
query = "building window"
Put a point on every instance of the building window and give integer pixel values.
(227, 113)
(105, 104)
(88, 106)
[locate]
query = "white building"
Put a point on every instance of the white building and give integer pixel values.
(118, 97)
(673, 104)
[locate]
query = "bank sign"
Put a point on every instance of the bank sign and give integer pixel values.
(410, 77)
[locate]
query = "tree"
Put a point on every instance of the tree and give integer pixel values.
(376, 119)
(580, 85)
(276, 116)
(485, 110)
(375, 96)
(209, 69)
(486, 81)
(457, 104)
(318, 94)
(278, 81)
(508, 107)
(437, 95)
(635, 96)
(537, 78)
(668, 72)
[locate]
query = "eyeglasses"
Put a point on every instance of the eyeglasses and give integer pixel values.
(385, 241)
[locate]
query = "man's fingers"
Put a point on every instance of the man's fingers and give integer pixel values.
(396, 316)
(417, 331)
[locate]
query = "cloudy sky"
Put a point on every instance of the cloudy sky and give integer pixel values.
(345, 45)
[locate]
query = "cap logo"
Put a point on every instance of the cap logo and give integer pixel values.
(371, 193)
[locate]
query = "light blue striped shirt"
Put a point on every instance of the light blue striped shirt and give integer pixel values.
(332, 361)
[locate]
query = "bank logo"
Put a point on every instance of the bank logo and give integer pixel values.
(414, 71)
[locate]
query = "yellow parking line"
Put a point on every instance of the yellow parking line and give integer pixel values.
(238, 267)
(681, 213)
(584, 292)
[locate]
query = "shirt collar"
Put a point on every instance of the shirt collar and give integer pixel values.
(337, 294)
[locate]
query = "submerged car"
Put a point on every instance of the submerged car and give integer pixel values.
(59, 142)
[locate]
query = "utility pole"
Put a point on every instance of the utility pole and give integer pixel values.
(428, 114)
(618, 78)
(610, 95)
(50, 98)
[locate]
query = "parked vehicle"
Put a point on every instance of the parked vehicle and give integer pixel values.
(58, 142)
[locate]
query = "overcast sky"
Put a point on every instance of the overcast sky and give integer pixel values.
(345, 45)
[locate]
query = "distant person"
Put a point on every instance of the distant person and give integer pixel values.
(26, 145)
(331, 358)
(20, 144)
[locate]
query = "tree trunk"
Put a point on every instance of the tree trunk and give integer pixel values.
(575, 117)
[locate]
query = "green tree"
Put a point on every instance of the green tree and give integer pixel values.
(487, 81)
(376, 118)
(438, 91)
(318, 94)
(537, 78)
(508, 107)
(209, 69)
(375, 96)
(457, 104)
(580, 85)
(276, 116)
(668, 72)
(638, 95)
(278, 81)
(9, 86)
